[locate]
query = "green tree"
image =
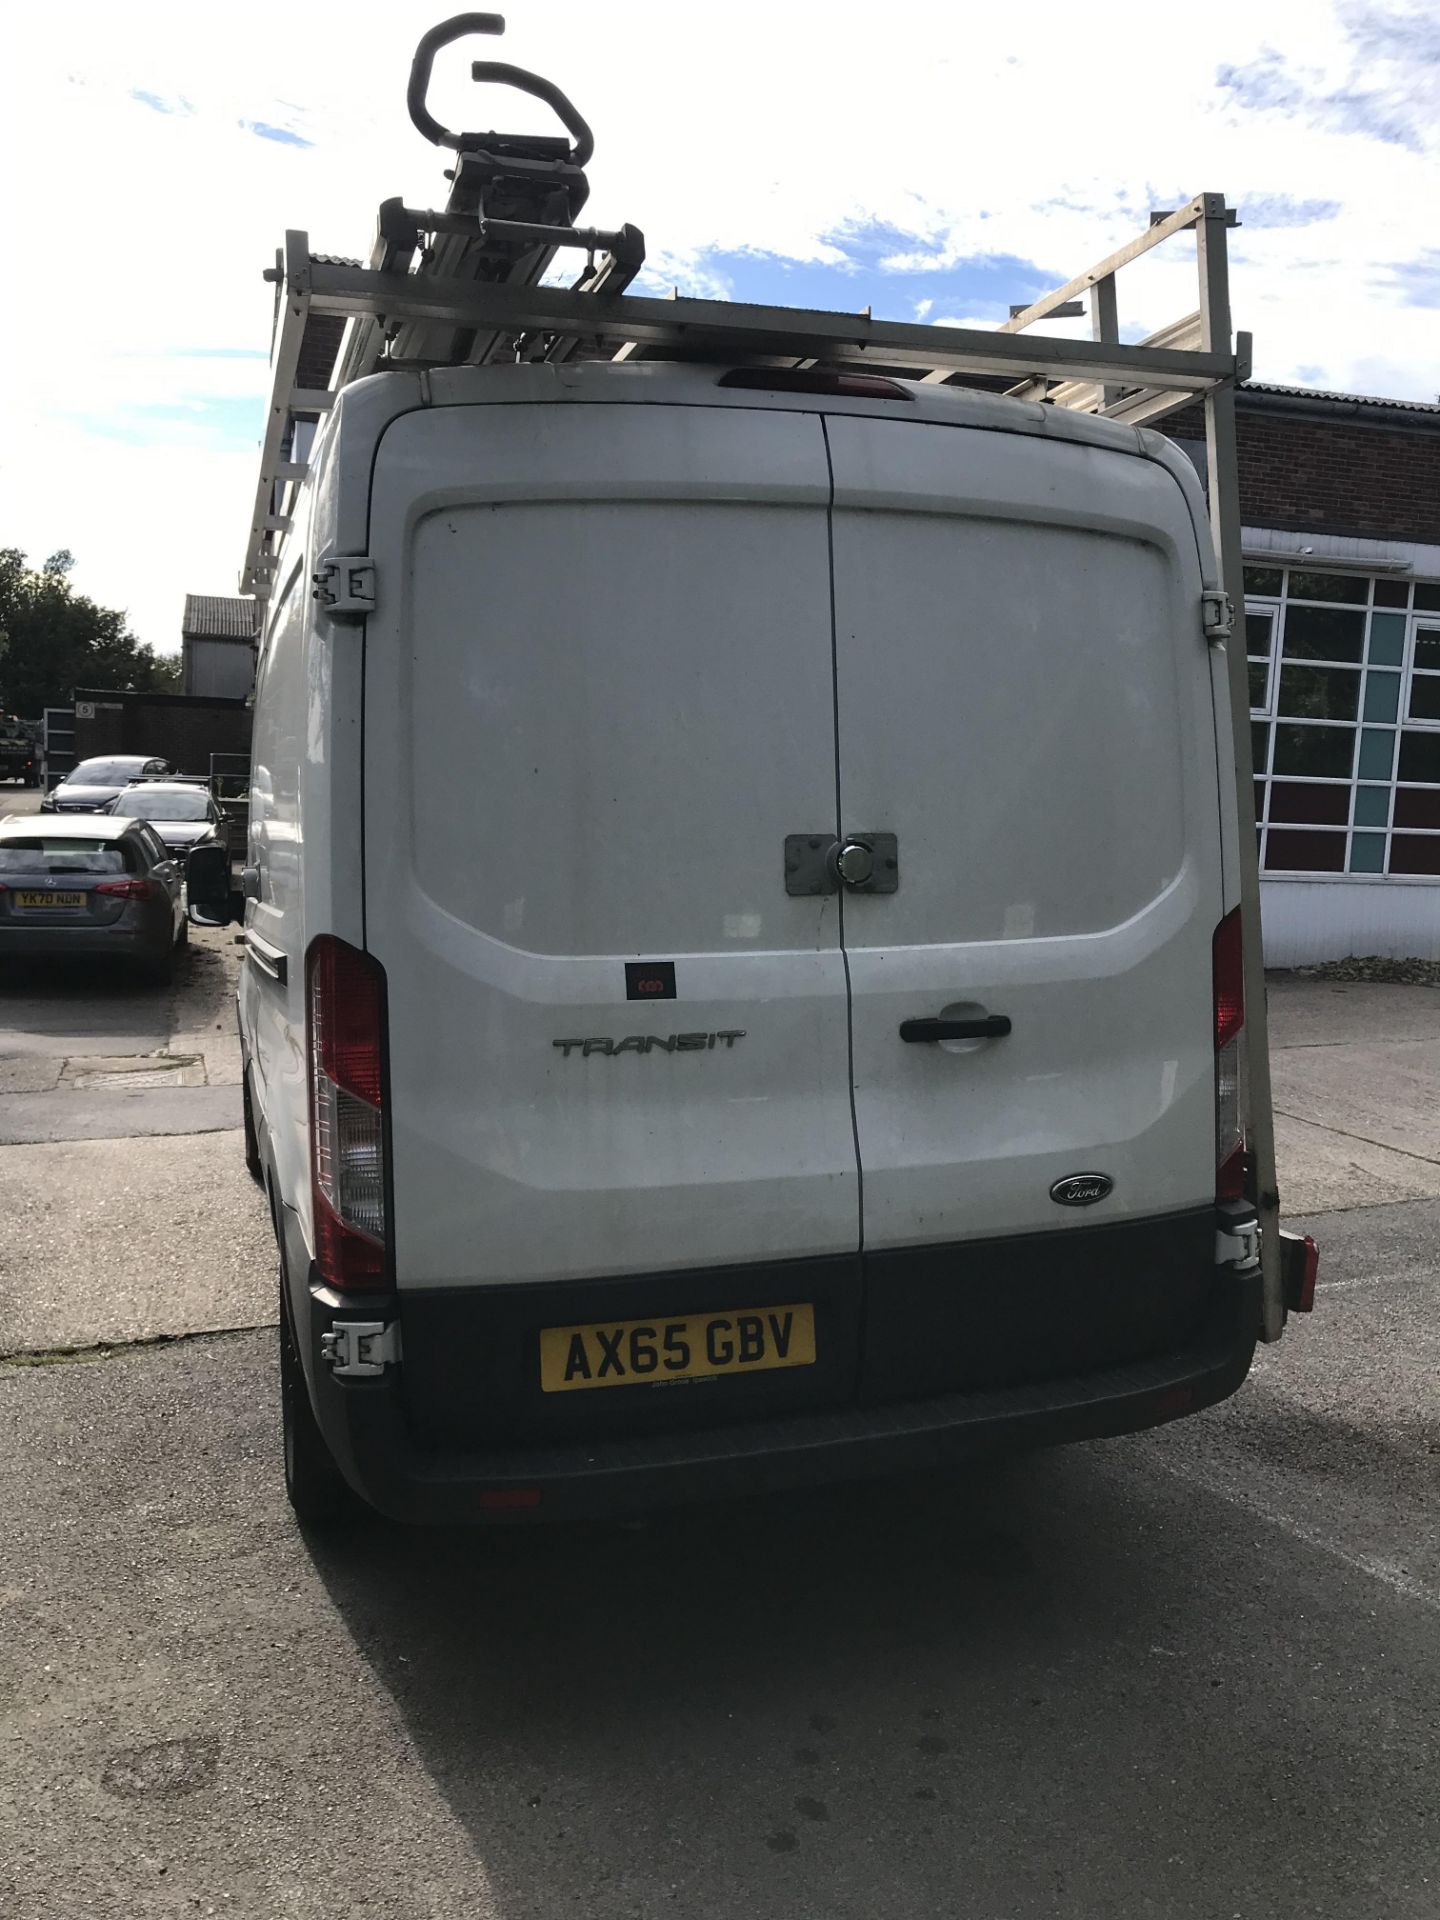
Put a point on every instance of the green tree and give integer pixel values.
(53, 639)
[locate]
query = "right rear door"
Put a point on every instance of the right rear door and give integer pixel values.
(1024, 701)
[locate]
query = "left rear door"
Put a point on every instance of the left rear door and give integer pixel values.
(598, 696)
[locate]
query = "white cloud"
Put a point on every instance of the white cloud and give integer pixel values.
(767, 127)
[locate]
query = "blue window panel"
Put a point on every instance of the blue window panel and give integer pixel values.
(1382, 696)
(1367, 853)
(1387, 639)
(1377, 754)
(1372, 806)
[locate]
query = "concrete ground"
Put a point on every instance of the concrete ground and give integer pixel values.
(1188, 1674)
(128, 1208)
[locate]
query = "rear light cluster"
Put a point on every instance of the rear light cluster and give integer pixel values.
(127, 889)
(345, 998)
(1229, 976)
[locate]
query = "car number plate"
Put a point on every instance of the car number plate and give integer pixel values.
(28, 898)
(692, 1346)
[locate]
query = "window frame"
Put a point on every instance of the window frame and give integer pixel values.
(1358, 836)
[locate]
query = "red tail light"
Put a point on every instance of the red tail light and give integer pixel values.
(345, 1001)
(127, 889)
(1309, 1273)
(1229, 977)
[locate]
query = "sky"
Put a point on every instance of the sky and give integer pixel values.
(932, 162)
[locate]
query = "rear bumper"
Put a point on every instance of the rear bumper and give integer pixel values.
(365, 1424)
(58, 943)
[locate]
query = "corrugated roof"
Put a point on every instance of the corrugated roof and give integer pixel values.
(1349, 399)
(217, 616)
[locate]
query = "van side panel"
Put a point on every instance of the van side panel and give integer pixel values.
(599, 695)
(272, 1012)
(305, 829)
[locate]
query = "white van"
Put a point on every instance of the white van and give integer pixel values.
(743, 974)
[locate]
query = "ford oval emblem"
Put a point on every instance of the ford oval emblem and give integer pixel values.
(1081, 1189)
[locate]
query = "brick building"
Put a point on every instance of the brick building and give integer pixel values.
(1340, 499)
(178, 727)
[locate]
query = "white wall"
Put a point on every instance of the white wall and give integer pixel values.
(1307, 921)
(218, 669)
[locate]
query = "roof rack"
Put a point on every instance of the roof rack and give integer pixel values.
(453, 301)
(462, 286)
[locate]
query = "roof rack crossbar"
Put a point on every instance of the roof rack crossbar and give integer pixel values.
(411, 308)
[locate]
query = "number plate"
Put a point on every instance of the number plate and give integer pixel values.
(695, 1346)
(36, 899)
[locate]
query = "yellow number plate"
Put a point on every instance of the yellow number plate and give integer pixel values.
(697, 1346)
(35, 899)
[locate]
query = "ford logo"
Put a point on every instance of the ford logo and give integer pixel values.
(1081, 1189)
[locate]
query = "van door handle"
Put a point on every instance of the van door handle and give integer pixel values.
(994, 1026)
(273, 961)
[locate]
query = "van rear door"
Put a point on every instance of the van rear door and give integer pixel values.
(1024, 702)
(599, 695)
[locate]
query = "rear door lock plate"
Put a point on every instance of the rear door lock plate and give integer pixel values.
(860, 863)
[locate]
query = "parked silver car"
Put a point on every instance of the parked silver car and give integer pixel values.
(89, 885)
(94, 783)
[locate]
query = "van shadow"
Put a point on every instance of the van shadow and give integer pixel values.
(626, 1718)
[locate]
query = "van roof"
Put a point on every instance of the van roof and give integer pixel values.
(680, 383)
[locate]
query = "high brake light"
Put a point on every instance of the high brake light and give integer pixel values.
(852, 386)
(1229, 978)
(345, 1000)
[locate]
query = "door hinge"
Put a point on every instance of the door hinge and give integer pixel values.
(345, 586)
(1218, 615)
(360, 1349)
(1237, 1235)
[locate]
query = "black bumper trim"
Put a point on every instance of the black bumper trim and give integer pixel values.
(365, 1426)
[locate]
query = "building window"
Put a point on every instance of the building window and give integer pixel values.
(1345, 710)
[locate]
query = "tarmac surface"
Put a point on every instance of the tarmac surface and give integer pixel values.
(1192, 1673)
